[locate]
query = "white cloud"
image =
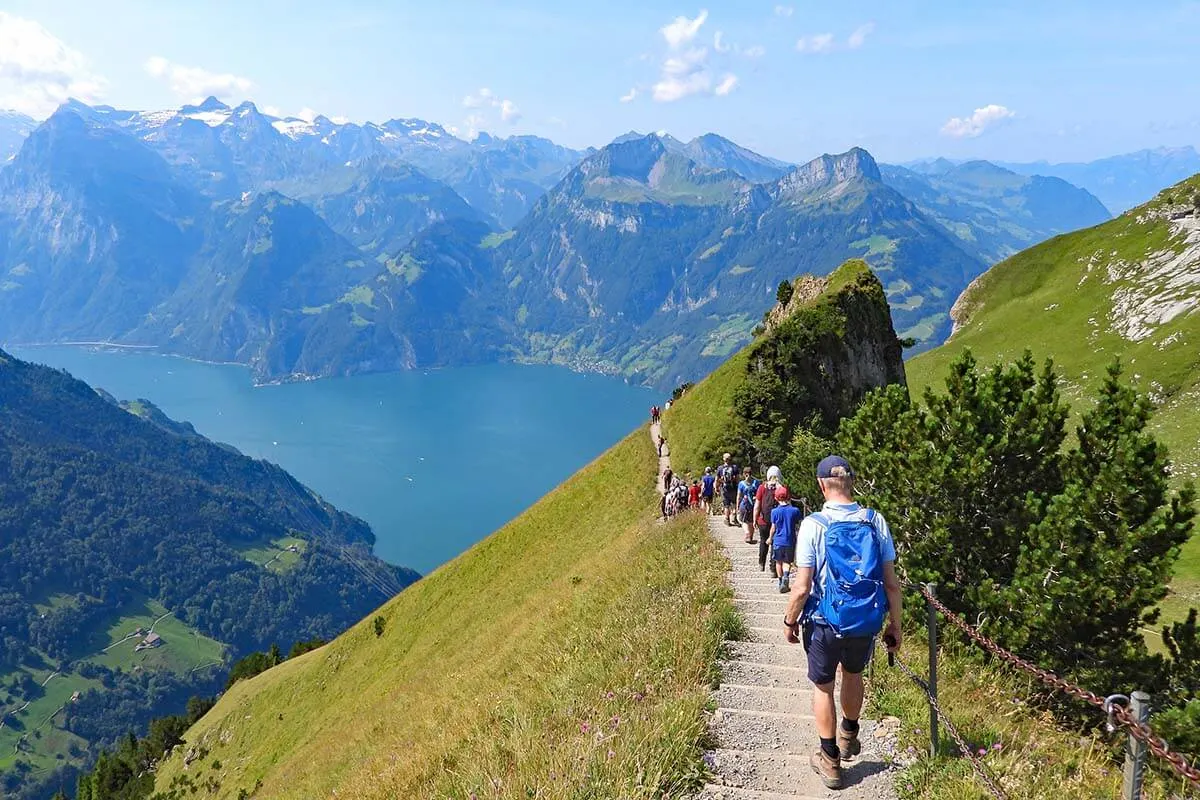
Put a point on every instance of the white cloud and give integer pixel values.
(196, 83)
(306, 114)
(683, 74)
(338, 119)
(483, 97)
(682, 30)
(726, 85)
(483, 100)
(755, 51)
(719, 44)
(817, 43)
(631, 96)
(859, 36)
(784, 11)
(509, 111)
(38, 71)
(273, 111)
(983, 118)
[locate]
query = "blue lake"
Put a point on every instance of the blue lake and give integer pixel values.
(434, 461)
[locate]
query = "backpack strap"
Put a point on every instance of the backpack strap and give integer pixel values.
(820, 519)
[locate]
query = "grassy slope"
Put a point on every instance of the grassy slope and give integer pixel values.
(568, 654)
(1036, 300)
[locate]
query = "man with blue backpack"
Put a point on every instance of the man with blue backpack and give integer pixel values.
(844, 591)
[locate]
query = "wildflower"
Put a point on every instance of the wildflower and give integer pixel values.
(611, 754)
(981, 752)
(584, 727)
(997, 746)
(609, 696)
(616, 721)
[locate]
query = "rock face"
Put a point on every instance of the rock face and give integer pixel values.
(821, 354)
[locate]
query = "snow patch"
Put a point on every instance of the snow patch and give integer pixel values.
(210, 118)
(293, 128)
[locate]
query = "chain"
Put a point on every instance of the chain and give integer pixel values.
(1140, 731)
(976, 763)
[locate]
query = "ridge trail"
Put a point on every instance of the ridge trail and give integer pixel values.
(763, 722)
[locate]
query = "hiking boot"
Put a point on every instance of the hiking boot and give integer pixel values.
(784, 586)
(830, 769)
(848, 743)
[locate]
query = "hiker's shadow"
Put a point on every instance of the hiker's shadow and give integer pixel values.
(862, 768)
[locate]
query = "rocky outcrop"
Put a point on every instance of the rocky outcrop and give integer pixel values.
(821, 353)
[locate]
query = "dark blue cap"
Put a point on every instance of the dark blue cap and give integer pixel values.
(834, 467)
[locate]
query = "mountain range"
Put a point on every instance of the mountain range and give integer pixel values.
(311, 248)
(1123, 181)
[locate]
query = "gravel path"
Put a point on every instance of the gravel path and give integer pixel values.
(763, 722)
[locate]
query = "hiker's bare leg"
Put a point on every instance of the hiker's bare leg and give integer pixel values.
(852, 695)
(824, 709)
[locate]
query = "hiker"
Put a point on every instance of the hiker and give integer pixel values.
(764, 504)
(667, 475)
(727, 475)
(708, 484)
(746, 490)
(694, 494)
(785, 522)
(845, 588)
(655, 414)
(662, 442)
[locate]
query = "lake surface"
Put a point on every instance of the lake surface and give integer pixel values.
(434, 461)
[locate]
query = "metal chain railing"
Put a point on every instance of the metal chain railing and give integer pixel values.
(1115, 711)
(981, 771)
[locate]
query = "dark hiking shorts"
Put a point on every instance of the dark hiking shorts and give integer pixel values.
(785, 554)
(826, 651)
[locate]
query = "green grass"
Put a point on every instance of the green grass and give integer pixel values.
(567, 655)
(697, 425)
(185, 648)
(275, 555)
(41, 749)
(360, 295)
(493, 240)
(1035, 760)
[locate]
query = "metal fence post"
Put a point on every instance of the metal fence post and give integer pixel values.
(931, 625)
(1135, 751)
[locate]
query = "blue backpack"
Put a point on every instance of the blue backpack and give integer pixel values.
(853, 601)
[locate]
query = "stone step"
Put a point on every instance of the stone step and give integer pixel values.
(767, 772)
(768, 606)
(779, 732)
(765, 635)
(713, 791)
(780, 653)
(750, 673)
(763, 698)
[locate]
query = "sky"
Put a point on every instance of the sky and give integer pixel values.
(906, 79)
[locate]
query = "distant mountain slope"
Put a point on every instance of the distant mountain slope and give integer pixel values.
(388, 204)
(717, 152)
(110, 515)
(14, 128)
(995, 212)
(1122, 181)
(645, 263)
(94, 229)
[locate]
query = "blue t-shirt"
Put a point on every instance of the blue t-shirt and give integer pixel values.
(707, 483)
(810, 547)
(747, 489)
(785, 518)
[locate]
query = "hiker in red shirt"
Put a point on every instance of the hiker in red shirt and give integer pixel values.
(694, 494)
